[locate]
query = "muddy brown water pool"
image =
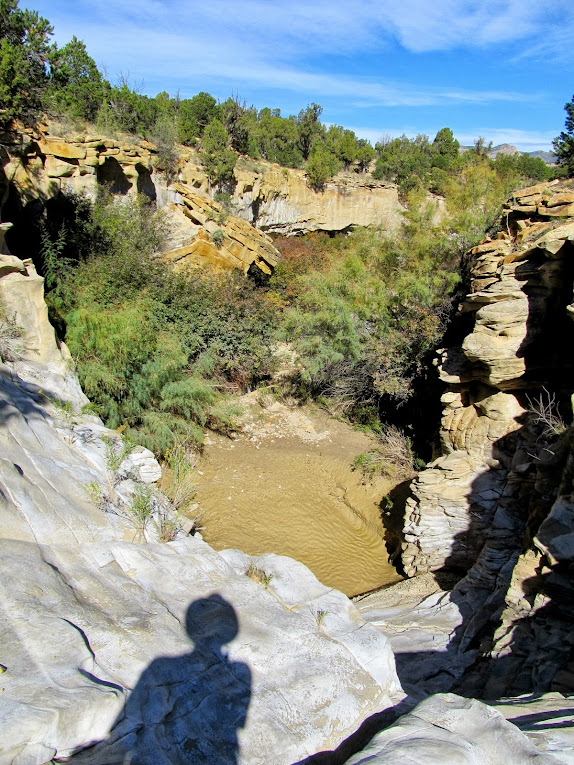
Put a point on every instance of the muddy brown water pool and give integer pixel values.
(286, 486)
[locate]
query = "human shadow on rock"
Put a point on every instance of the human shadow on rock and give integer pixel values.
(184, 709)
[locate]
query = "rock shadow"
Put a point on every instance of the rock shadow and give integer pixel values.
(393, 508)
(539, 657)
(19, 398)
(358, 740)
(23, 240)
(145, 185)
(111, 175)
(184, 709)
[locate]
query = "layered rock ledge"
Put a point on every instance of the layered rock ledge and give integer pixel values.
(496, 507)
(39, 164)
(116, 647)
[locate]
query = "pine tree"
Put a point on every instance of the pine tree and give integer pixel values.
(564, 144)
(25, 53)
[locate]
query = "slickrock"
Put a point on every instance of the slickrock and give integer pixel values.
(449, 729)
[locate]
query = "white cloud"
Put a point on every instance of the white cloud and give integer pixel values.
(252, 46)
(298, 27)
(193, 56)
(524, 140)
(445, 24)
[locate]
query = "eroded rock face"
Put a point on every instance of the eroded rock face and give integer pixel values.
(35, 355)
(39, 166)
(212, 237)
(498, 505)
(449, 729)
(520, 295)
(279, 200)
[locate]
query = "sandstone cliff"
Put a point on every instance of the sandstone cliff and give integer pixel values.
(96, 661)
(38, 165)
(497, 505)
(209, 235)
(512, 362)
(279, 200)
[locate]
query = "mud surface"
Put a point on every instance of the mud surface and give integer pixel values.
(286, 485)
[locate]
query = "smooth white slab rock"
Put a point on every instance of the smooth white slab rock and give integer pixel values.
(450, 729)
(89, 614)
(546, 720)
(142, 462)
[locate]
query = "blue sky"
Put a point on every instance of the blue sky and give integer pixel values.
(501, 70)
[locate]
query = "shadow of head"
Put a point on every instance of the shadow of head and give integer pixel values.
(211, 621)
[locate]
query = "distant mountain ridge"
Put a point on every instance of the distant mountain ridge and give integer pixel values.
(506, 148)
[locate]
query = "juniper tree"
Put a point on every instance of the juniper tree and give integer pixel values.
(564, 143)
(25, 52)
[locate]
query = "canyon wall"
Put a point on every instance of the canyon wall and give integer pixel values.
(38, 165)
(117, 646)
(278, 199)
(105, 626)
(497, 505)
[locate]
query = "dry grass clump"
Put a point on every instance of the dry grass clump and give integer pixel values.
(259, 576)
(546, 414)
(393, 458)
(178, 481)
(13, 346)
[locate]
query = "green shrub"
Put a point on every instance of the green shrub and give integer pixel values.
(365, 319)
(366, 311)
(218, 160)
(164, 134)
(177, 480)
(141, 507)
(154, 350)
(25, 53)
(218, 237)
(321, 166)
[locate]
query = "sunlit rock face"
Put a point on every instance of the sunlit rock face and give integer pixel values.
(446, 729)
(521, 290)
(280, 201)
(263, 198)
(211, 237)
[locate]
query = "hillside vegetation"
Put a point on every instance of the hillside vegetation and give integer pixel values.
(65, 83)
(159, 352)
